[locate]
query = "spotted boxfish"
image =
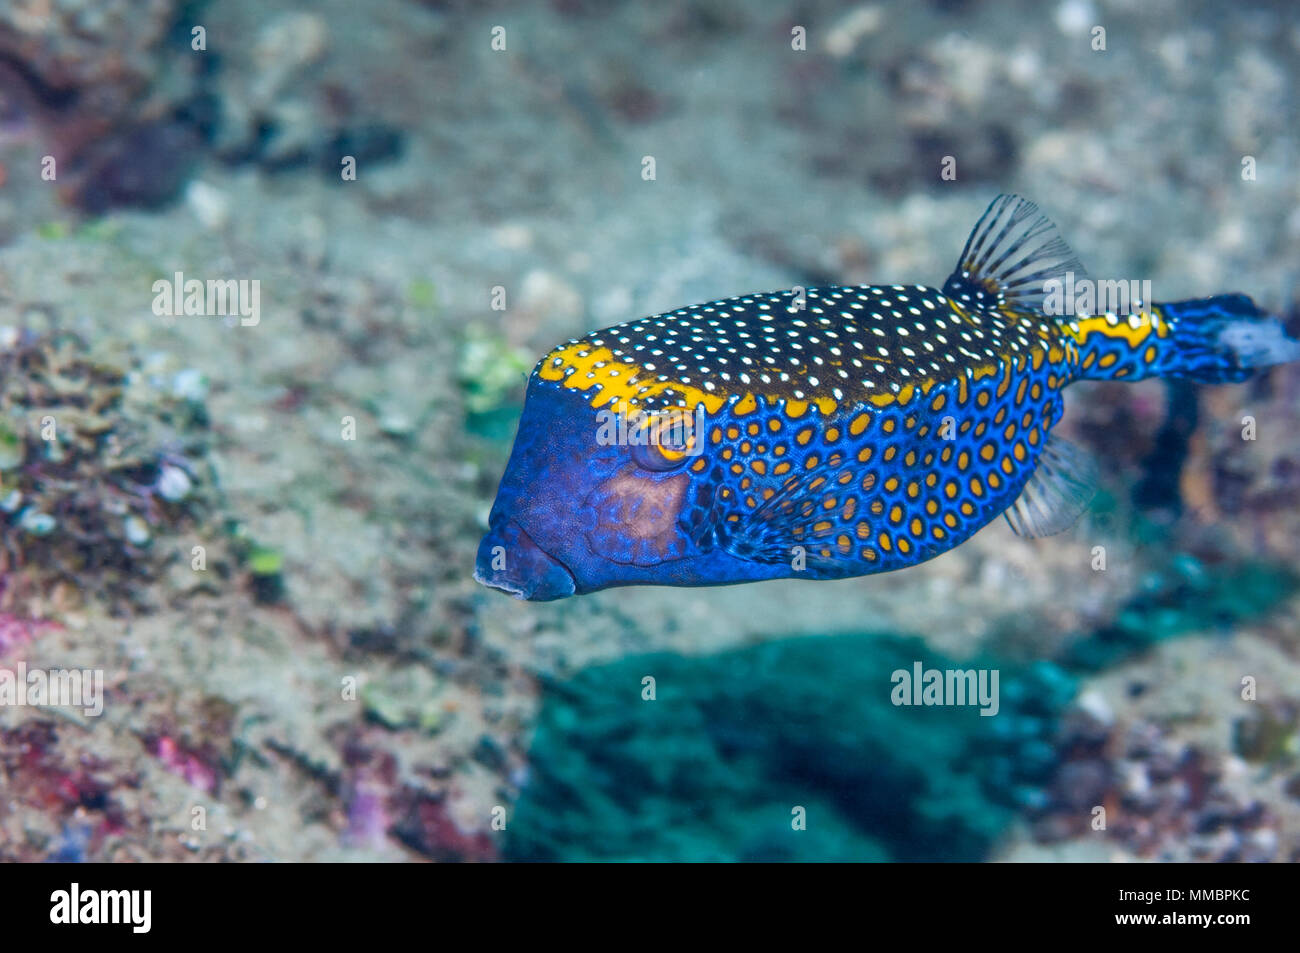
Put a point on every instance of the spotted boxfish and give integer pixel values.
(834, 431)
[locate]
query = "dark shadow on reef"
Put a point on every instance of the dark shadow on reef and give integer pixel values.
(714, 767)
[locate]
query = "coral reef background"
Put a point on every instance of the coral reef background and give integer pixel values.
(297, 663)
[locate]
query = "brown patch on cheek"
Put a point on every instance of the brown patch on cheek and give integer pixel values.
(640, 509)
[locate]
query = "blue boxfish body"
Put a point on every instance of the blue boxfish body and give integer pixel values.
(836, 431)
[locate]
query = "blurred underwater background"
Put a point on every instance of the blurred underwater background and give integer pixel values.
(262, 532)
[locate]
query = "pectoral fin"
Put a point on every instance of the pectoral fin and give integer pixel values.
(784, 526)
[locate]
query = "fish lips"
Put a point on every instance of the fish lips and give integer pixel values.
(509, 560)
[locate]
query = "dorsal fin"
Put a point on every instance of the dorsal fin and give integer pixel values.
(1056, 495)
(1012, 252)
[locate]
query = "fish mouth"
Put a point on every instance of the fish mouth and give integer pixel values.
(509, 560)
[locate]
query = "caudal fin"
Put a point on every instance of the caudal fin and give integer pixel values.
(1215, 340)
(1016, 264)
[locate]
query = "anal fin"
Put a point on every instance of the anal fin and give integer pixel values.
(1057, 494)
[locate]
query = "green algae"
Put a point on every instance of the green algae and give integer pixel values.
(491, 374)
(405, 699)
(264, 561)
(423, 295)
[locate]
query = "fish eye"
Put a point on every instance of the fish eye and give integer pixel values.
(664, 441)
